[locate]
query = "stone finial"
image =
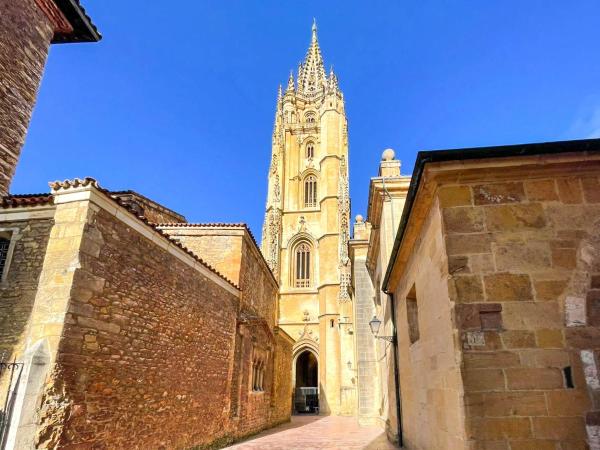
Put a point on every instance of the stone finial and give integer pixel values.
(388, 154)
(389, 166)
(362, 229)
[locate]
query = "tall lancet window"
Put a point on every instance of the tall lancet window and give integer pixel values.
(302, 268)
(310, 150)
(310, 191)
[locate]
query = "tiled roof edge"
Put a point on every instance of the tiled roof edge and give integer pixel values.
(57, 185)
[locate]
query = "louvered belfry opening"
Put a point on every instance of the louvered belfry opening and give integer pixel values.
(302, 263)
(310, 191)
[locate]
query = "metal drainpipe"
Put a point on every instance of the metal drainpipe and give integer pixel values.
(394, 334)
(396, 370)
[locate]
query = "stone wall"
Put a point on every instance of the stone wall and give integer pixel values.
(143, 206)
(282, 365)
(430, 381)
(525, 259)
(145, 356)
(17, 291)
(25, 35)
(231, 250)
(367, 373)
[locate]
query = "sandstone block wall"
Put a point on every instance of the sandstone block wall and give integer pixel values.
(524, 264)
(25, 35)
(430, 379)
(146, 352)
(17, 292)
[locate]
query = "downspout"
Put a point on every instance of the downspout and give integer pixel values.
(394, 336)
(396, 369)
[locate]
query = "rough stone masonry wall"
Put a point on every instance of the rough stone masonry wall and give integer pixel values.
(259, 289)
(525, 263)
(25, 35)
(430, 384)
(281, 402)
(146, 353)
(17, 293)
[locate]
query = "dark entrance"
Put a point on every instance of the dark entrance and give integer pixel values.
(306, 392)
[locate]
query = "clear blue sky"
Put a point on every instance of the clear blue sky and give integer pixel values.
(177, 100)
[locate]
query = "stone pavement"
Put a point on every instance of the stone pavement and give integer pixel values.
(318, 432)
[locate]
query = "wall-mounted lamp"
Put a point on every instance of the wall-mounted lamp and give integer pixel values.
(374, 324)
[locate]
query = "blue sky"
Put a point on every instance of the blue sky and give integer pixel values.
(177, 101)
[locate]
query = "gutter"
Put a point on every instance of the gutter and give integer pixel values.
(464, 154)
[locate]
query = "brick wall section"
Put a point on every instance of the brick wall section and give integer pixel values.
(25, 35)
(146, 352)
(17, 293)
(523, 256)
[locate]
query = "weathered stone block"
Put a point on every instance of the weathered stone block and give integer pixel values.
(541, 190)
(559, 428)
(502, 404)
(550, 338)
(531, 315)
(507, 287)
(463, 220)
(575, 311)
(527, 256)
(500, 428)
(468, 288)
(489, 194)
(482, 263)
(490, 360)
(464, 244)
(593, 307)
(568, 402)
(458, 264)
(569, 190)
(533, 444)
(564, 258)
(549, 290)
(591, 189)
(451, 196)
(520, 217)
(518, 339)
(476, 380)
(534, 378)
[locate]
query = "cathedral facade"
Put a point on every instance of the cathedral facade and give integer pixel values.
(306, 234)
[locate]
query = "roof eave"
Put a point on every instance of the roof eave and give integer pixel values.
(463, 154)
(83, 28)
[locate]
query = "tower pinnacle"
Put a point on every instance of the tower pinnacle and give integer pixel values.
(312, 78)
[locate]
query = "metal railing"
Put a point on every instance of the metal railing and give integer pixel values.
(10, 375)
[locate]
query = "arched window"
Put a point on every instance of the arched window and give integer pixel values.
(302, 267)
(310, 150)
(310, 191)
(310, 117)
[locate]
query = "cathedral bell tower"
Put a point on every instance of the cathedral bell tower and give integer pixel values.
(306, 232)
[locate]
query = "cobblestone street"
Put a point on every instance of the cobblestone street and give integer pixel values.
(318, 432)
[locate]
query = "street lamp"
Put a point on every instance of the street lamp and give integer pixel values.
(374, 324)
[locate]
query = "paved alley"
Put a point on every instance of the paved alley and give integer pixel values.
(318, 432)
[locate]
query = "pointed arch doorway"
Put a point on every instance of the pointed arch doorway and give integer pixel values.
(306, 382)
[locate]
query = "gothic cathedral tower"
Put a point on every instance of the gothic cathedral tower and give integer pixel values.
(306, 232)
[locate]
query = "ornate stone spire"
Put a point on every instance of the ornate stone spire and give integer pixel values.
(312, 78)
(290, 85)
